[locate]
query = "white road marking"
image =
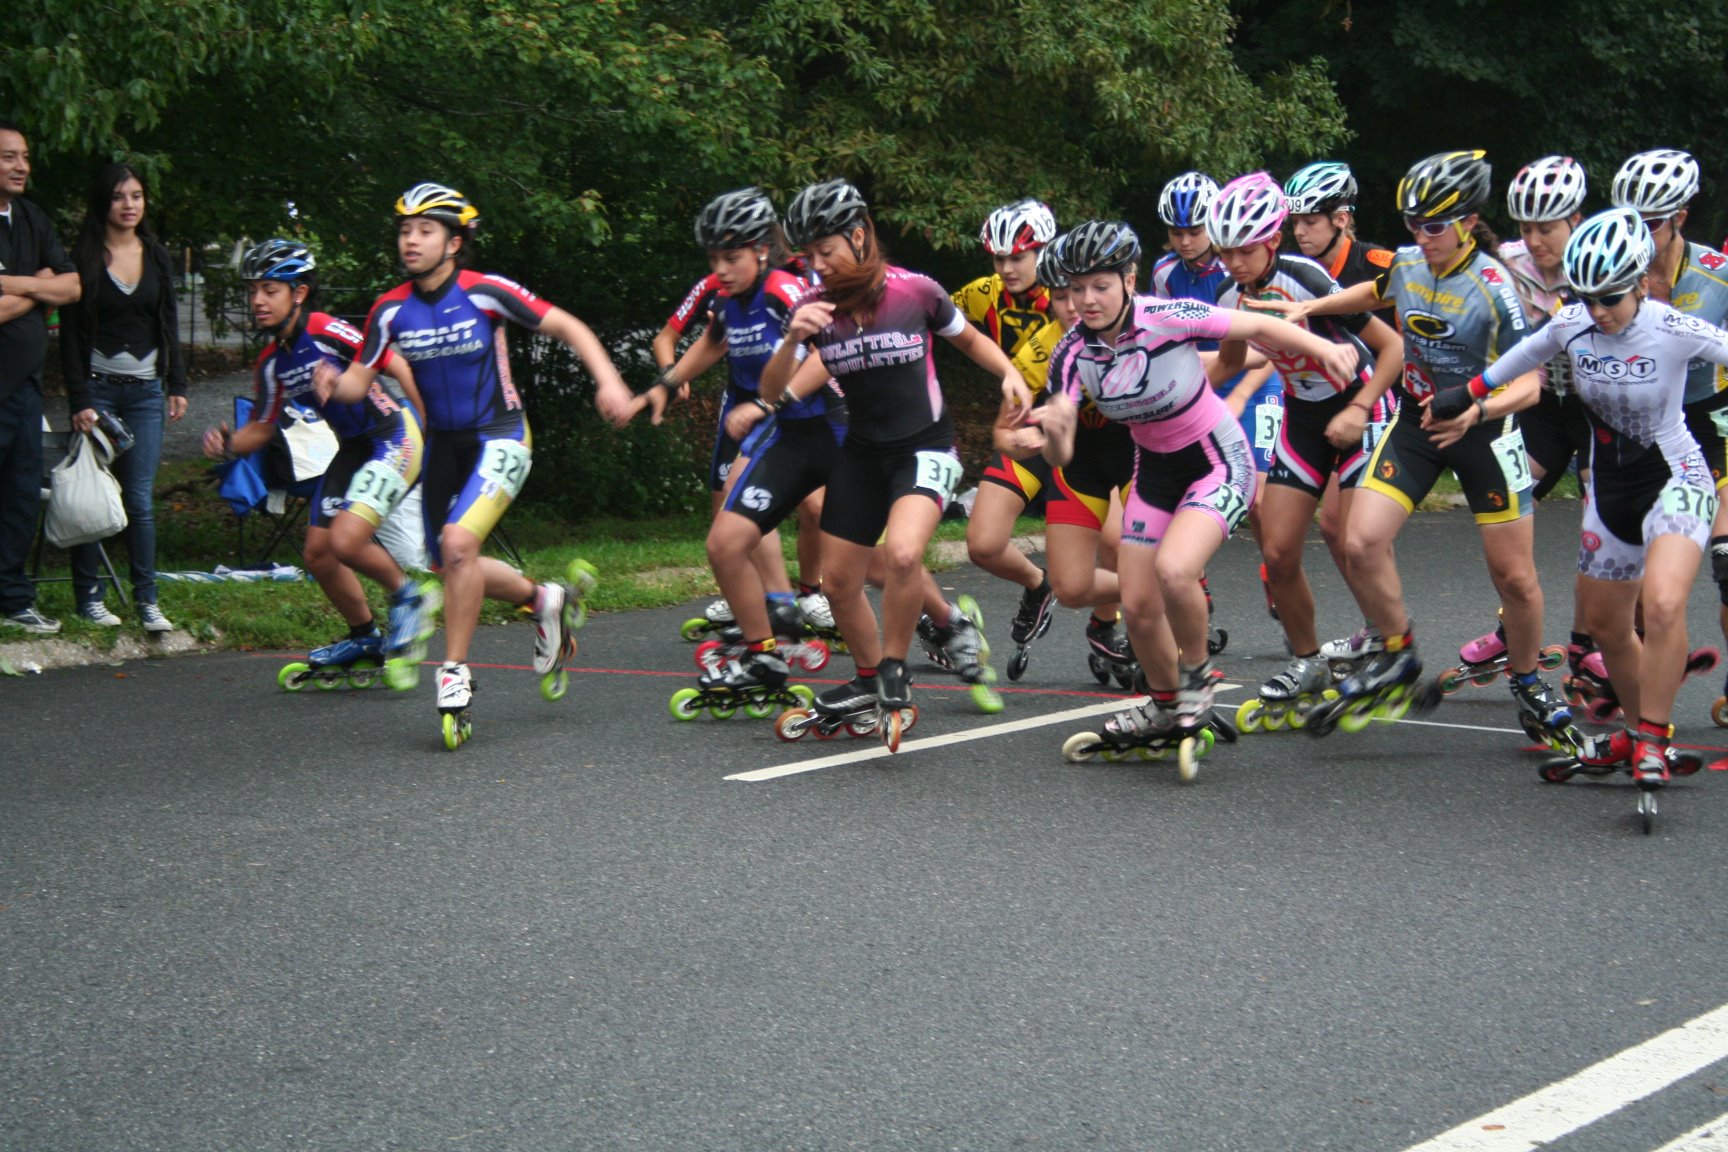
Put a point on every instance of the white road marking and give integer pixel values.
(1466, 727)
(1711, 1137)
(1603, 1088)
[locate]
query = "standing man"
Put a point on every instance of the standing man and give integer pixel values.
(35, 277)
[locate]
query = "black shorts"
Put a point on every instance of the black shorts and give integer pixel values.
(1103, 463)
(1303, 458)
(1406, 464)
(789, 460)
(867, 480)
(1700, 421)
(1555, 429)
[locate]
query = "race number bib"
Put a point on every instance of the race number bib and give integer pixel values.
(1228, 503)
(1720, 418)
(378, 486)
(1514, 461)
(939, 472)
(1268, 419)
(506, 463)
(1690, 503)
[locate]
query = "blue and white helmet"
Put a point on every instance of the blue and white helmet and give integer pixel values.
(1323, 186)
(1184, 200)
(277, 259)
(1608, 252)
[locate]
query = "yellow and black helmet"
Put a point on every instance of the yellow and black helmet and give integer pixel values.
(436, 202)
(1446, 186)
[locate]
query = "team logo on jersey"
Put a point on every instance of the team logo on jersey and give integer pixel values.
(1428, 326)
(756, 499)
(1492, 276)
(1381, 257)
(1713, 260)
(331, 505)
(724, 469)
(1388, 470)
(1496, 499)
(1615, 370)
(1591, 542)
(1187, 310)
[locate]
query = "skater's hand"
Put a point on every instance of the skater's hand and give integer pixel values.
(324, 378)
(810, 319)
(1290, 310)
(176, 409)
(216, 441)
(1344, 431)
(1445, 433)
(1015, 392)
(1054, 421)
(742, 418)
(1340, 364)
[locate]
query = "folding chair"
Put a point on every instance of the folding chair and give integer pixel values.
(54, 448)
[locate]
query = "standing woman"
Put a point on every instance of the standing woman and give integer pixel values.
(119, 344)
(872, 327)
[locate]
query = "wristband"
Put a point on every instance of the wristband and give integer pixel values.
(785, 401)
(666, 380)
(1481, 410)
(1367, 409)
(767, 408)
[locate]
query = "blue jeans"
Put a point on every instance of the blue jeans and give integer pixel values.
(21, 475)
(142, 406)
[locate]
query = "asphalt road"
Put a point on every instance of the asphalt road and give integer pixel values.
(233, 918)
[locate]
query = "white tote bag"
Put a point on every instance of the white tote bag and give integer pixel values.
(84, 502)
(311, 443)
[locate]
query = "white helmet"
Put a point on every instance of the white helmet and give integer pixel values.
(1608, 252)
(1551, 188)
(1018, 227)
(1323, 186)
(1248, 210)
(1656, 183)
(1184, 201)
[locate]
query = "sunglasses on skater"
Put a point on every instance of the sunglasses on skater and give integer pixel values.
(1655, 225)
(1606, 300)
(1428, 227)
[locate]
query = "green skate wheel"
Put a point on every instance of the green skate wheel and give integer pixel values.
(1188, 759)
(1484, 679)
(554, 684)
(1113, 754)
(457, 729)
(1551, 657)
(805, 696)
(365, 673)
(402, 673)
(683, 704)
(293, 677)
(1079, 748)
(1452, 680)
(582, 577)
(694, 628)
(1274, 719)
(1248, 715)
(722, 711)
(986, 699)
(1354, 719)
(329, 678)
(759, 709)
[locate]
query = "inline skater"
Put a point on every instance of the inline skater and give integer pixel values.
(1135, 358)
(1652, 496)
(448, 322)
(784, 456)
(1458, 312)
(378, 461)
(871, 326)
(1323, 428)
(1693, 278)
(1545, 198)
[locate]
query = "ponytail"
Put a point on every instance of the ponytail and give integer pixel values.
(1485, 238)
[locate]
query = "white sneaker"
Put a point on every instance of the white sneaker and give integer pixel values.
(31, 621)
(152, 619)
(817, 613)
(97, 612)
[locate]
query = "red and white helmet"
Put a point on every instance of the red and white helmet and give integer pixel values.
(1018, 227)
(1248, 210)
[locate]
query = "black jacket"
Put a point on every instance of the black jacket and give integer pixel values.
(78, 334)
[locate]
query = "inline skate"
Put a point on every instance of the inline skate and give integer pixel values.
(455, 695)
(413, 614)
(1217, 639)
(716, 617)
(1288, 696)
(357, 662)
(1483, 661)
(1646, 755)
(1587, 685)
(893, 698)
(1109, 656)
(962, 648)
(1347, 654)
(753, 681)
(1031, 621)
(1387, 686)
(1544, 717)
(560, 611)
(850, 706)
(819, 621)
(789, 624)
(1150, 729)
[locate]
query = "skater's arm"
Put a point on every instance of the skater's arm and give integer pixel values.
(1489, 409)
(612, 397)
(1338, 361)
(1363, 297)
(399, 370)
(1344, 431)
(1056, 419)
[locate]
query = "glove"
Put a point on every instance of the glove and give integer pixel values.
(1449, 403)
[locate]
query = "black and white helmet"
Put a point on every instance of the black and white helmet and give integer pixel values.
(1050, 272)
(1018, 227)
(276, 259)
(1608, 252)
(1184, 200)
(1446, 186)
(1323, 186)
(826, 209)
(1551, 188)
(741, 219)
(1098, 246)
(1656, 183)
(1248, 210)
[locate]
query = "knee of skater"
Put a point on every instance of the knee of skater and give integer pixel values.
(902, 560)
(1663, 612)
(1175, 574)
(1282, 562)
(982, 553)
(459, 549)
(1519, 587)
(1071, 593)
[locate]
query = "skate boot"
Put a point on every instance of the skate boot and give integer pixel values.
(714, 618)
(455, 694)
(356, 661)
(1145, 730)
(963, 649)
(1216, 638)
(850, 706)
(1544, 717)
(755, 680)
(797, 648)
(1387, 686)
(819, 619)
(1586, 678)
(1288, 696)
(1349, 653)
(555, 606)
(1485, 659)
(413, 608)
(893, 701)
(1031, 620)
(1108, 655)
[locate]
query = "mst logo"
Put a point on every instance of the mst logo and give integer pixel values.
(1615, 370)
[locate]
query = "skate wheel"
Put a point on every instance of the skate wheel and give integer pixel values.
(694, 628)
(1017, 663)
(402, 673)
(1355, 719)
(1125, 677)
(293, 677)
(1208, 740)
(1647, 811)
(1099, 667)
(1702, 661)
(1557, 771)
(457, 729)
(1248, 715)
(554, 684)
(705, 657)
(364, 673)
(1452, 680)
(1217, 640)
(814, 658)
(683, 704)
(759, 709)
(722, 711)
(1604, 711)
(802, 694)
(1718, 711)
(986, 699)
(793, 723)
(823, 732)
(1080, 747)
(969, 608)
(1188, 759)
(1273, 720)
(329, 678)
(1113, 754)
(861, 726)
(1574, 696)
(1551, 657)
(1484, 679)
(892, 729)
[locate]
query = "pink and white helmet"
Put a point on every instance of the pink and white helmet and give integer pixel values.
(1248, 210)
